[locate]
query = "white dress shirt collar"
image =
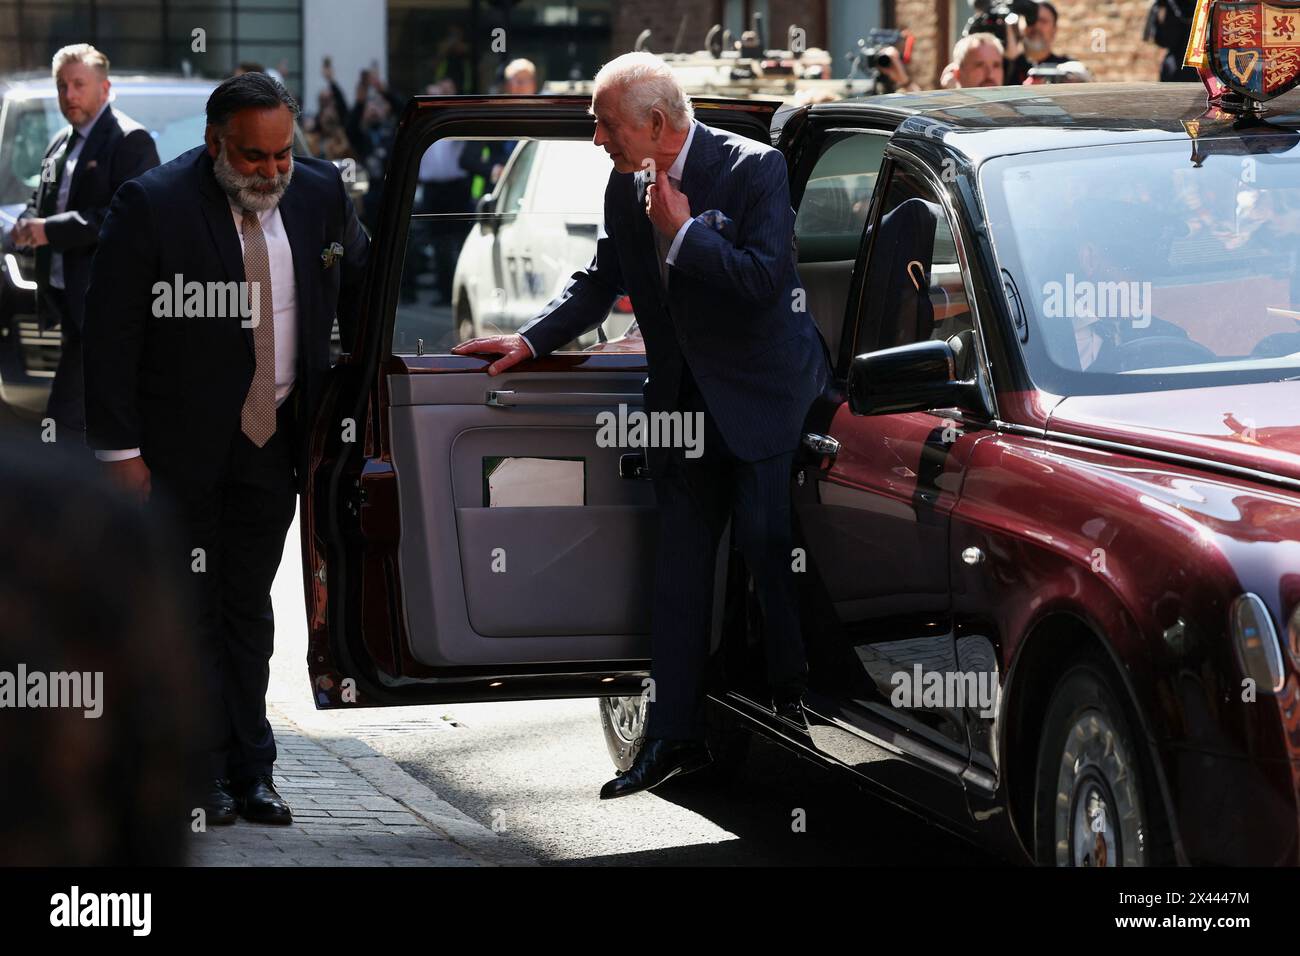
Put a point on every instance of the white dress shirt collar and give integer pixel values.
(679, 164)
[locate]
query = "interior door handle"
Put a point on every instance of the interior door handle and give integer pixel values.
(512, 399)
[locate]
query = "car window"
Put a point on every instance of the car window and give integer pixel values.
(1153, 265)
(837, 196)
(828, 225)
(515, 179)
(914, 286)
(175, 119)
(472, 269)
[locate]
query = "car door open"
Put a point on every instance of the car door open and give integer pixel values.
(477, 537)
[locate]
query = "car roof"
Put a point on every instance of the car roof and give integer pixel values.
(41, 84)
(982, 123)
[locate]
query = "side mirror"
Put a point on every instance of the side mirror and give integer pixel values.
(910, 378)
(486, 207)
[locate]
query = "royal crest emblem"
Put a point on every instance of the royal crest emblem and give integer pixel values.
(1255, 47)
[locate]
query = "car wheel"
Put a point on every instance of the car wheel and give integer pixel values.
(623, 721)
(1094, 802)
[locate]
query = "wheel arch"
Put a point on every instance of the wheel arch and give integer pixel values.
(1054, 644)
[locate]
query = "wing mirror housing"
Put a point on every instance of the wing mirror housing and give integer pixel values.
(911, 378)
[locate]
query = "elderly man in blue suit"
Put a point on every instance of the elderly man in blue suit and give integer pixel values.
(699, 231)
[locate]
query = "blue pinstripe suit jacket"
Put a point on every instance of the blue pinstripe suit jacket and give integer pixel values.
(733, 311)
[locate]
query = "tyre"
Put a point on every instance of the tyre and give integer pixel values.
(623, 720)
(1095, 798)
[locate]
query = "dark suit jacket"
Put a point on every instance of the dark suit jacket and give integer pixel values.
(731, 312)
(174, 387)
(118, 149)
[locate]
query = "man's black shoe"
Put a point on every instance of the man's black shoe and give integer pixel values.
(259, 802)
(791, 710)
(659, 760)
(220, 808)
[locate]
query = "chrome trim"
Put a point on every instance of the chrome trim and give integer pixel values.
(16, 275)
(821, 444)
(1173, 458)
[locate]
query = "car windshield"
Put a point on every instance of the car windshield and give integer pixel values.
(174, 117)
(1152, 266)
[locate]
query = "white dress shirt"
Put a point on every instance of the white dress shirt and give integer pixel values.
(675, 172)
(284, 298)
(65, 187)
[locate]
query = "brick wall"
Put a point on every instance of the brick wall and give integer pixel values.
(1104, 34)
(928, 60)
(1107, 36)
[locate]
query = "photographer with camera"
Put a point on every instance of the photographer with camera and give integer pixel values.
(883, 57)
(1040, 34)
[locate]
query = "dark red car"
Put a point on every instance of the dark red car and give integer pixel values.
(1049, 525)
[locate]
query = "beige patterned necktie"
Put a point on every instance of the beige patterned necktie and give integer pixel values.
(664, 243)
(257, 418)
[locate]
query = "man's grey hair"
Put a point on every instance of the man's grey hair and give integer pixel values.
(968, 43)
(520, 65)
(79, 53)
(646, 82)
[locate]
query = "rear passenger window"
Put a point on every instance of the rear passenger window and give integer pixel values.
(837, 198)
(829, 223)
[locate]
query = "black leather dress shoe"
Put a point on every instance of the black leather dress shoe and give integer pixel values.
(259, 802)
(791, 710)
(659, 760)
(220, 808)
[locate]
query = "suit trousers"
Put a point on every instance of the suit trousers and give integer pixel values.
(238, 518)
(696, 496)
(67, 401)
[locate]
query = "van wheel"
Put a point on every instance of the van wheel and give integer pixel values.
(1095, 796)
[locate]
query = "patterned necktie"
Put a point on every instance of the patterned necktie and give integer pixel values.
(257, 418)
(664, 243)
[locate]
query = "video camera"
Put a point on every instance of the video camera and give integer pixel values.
(996, 17)
(870, 58)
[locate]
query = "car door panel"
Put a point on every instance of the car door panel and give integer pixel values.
(541, 577)
(405, 602)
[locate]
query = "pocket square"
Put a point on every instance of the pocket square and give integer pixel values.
(330, 254)
(717, 220)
